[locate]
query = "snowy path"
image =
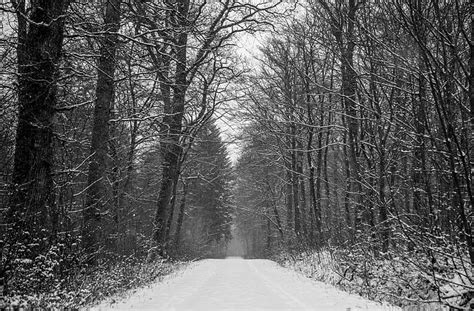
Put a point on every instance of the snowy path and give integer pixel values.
(237, 284)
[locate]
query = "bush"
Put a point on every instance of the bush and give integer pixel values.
(410, 278)
(85, 286)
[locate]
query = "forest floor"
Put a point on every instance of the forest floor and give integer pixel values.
(238, 284)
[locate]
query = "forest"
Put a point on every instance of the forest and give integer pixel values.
(335, 137)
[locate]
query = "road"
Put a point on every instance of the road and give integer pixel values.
(238, 284)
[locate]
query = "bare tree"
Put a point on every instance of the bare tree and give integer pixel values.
(96, 196)
(40, 37)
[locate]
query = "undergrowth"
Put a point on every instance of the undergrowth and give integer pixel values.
(407, 280)
(85, 286)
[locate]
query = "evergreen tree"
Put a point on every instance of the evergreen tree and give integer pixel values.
(208, 227)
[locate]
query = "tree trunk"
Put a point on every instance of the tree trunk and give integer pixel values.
(383, 211)
(315, 213)
(169, 222)
(326, 174)
(289, 200)
(171, 148)
(303, 203)
(179, 223)
(349, 90)
(471, 80)
(347, 193)
(343, 31)
(318, 190)
(294, 180)
(419, 158)
(96, 197)
(32, 204)
(39, 51)
(277, 217)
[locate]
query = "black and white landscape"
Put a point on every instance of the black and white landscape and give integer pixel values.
(236, 155)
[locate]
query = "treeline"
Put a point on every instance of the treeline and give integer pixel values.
(360, 139)
(109, 146)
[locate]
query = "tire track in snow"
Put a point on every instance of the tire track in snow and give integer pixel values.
(276, 288)
(238, 284)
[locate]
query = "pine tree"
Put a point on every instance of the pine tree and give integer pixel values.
(209, 193)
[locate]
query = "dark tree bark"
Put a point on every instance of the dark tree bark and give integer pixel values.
(379, 134)
(170, 216)
(302, 187)
(277, 218)
(326, 176)
(349, 90)
(179, 222)
(96, 195)
(315, 213)
(171, 149)
(325, 160)
(289, 199)
(347, 192)
(419, 111)
(294, 180)
(32, 213)
(471, 99)
(343, 22)
(383, 210)
(471, 78)
(40, 38)
(319, 166)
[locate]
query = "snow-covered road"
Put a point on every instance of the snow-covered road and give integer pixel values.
(238, 284)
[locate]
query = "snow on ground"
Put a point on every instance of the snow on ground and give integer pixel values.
(238, 284)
